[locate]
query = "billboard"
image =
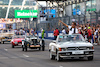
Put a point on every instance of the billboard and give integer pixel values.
(26, 13)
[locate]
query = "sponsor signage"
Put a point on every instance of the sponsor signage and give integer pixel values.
(26, 13)
(76, 12)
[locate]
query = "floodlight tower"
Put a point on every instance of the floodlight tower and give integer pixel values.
(8, 9)
(23, 3)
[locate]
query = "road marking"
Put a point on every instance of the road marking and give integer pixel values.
(60, 66)
(14, 57)
(3, 57)
(5, 49)
(25, 55)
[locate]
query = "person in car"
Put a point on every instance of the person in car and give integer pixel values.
(72, 28)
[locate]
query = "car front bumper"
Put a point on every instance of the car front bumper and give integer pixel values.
(83, 53)
(6, 40)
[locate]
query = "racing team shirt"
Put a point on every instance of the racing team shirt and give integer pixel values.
(71, 31)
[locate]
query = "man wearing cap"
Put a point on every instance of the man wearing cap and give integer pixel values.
(89, 34)
(72, 28)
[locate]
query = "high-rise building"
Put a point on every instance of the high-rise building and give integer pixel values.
(15, 5)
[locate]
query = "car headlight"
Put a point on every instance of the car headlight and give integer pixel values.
(62, 49)
(12, 40)
(90, 48)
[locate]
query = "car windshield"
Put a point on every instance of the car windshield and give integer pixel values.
(18, 36)
(65, 38)
(31, 36)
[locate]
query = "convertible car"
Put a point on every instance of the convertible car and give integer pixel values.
(6, 35)
(17, 40)
(70, 46)
(33, 42)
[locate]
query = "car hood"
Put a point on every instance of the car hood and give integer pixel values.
(74, 44)
(18, 39)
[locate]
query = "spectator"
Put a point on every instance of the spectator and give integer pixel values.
(56, 33)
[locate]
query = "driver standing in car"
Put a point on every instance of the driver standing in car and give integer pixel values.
(72, 28)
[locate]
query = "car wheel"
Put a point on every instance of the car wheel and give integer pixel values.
(22, 47)
(90, 58)
(43, 45)
(26, 48)
(3, 42)
(59, 58)
(52, 57)
(39, 48)
(43, 48)
(12, 46)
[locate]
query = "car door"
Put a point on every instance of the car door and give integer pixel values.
(53, 47)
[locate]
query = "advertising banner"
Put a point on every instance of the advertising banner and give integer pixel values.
(26, 13)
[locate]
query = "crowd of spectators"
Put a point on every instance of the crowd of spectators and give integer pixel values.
(91, 32)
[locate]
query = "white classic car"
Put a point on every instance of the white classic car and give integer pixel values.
(70, 46)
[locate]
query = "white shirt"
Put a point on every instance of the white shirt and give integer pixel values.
(72, 31)
(63, 31)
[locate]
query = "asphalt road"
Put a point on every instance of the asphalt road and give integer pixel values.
(15, 57)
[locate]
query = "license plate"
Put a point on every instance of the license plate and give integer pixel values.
(78, 52)
(34, 45)
(9, 40)
(19, 44)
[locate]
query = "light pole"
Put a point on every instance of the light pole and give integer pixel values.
(8, 9)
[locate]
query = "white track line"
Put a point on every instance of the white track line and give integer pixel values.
(5, 49)
(3, 57)
(60, 66)
(25, 55)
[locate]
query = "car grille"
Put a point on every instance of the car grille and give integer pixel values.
(34, 41)
(19, 42)
(77, 48)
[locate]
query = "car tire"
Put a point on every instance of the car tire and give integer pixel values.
(52, 57)
(25, 48)
(3, 42)
(43, 45)
(43, 48)
(22, 47)
(12, 46)
(39, 48)
(90, 58)
(59, 58)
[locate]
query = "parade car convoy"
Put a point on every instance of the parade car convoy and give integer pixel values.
(65, 46)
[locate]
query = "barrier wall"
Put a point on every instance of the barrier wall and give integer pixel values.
(47, 35)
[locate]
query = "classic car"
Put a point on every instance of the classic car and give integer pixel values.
(17, 40)
(70, 46)
(33, 42)
(6, 35)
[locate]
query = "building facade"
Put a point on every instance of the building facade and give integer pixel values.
(15, 5)
(85, 11)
